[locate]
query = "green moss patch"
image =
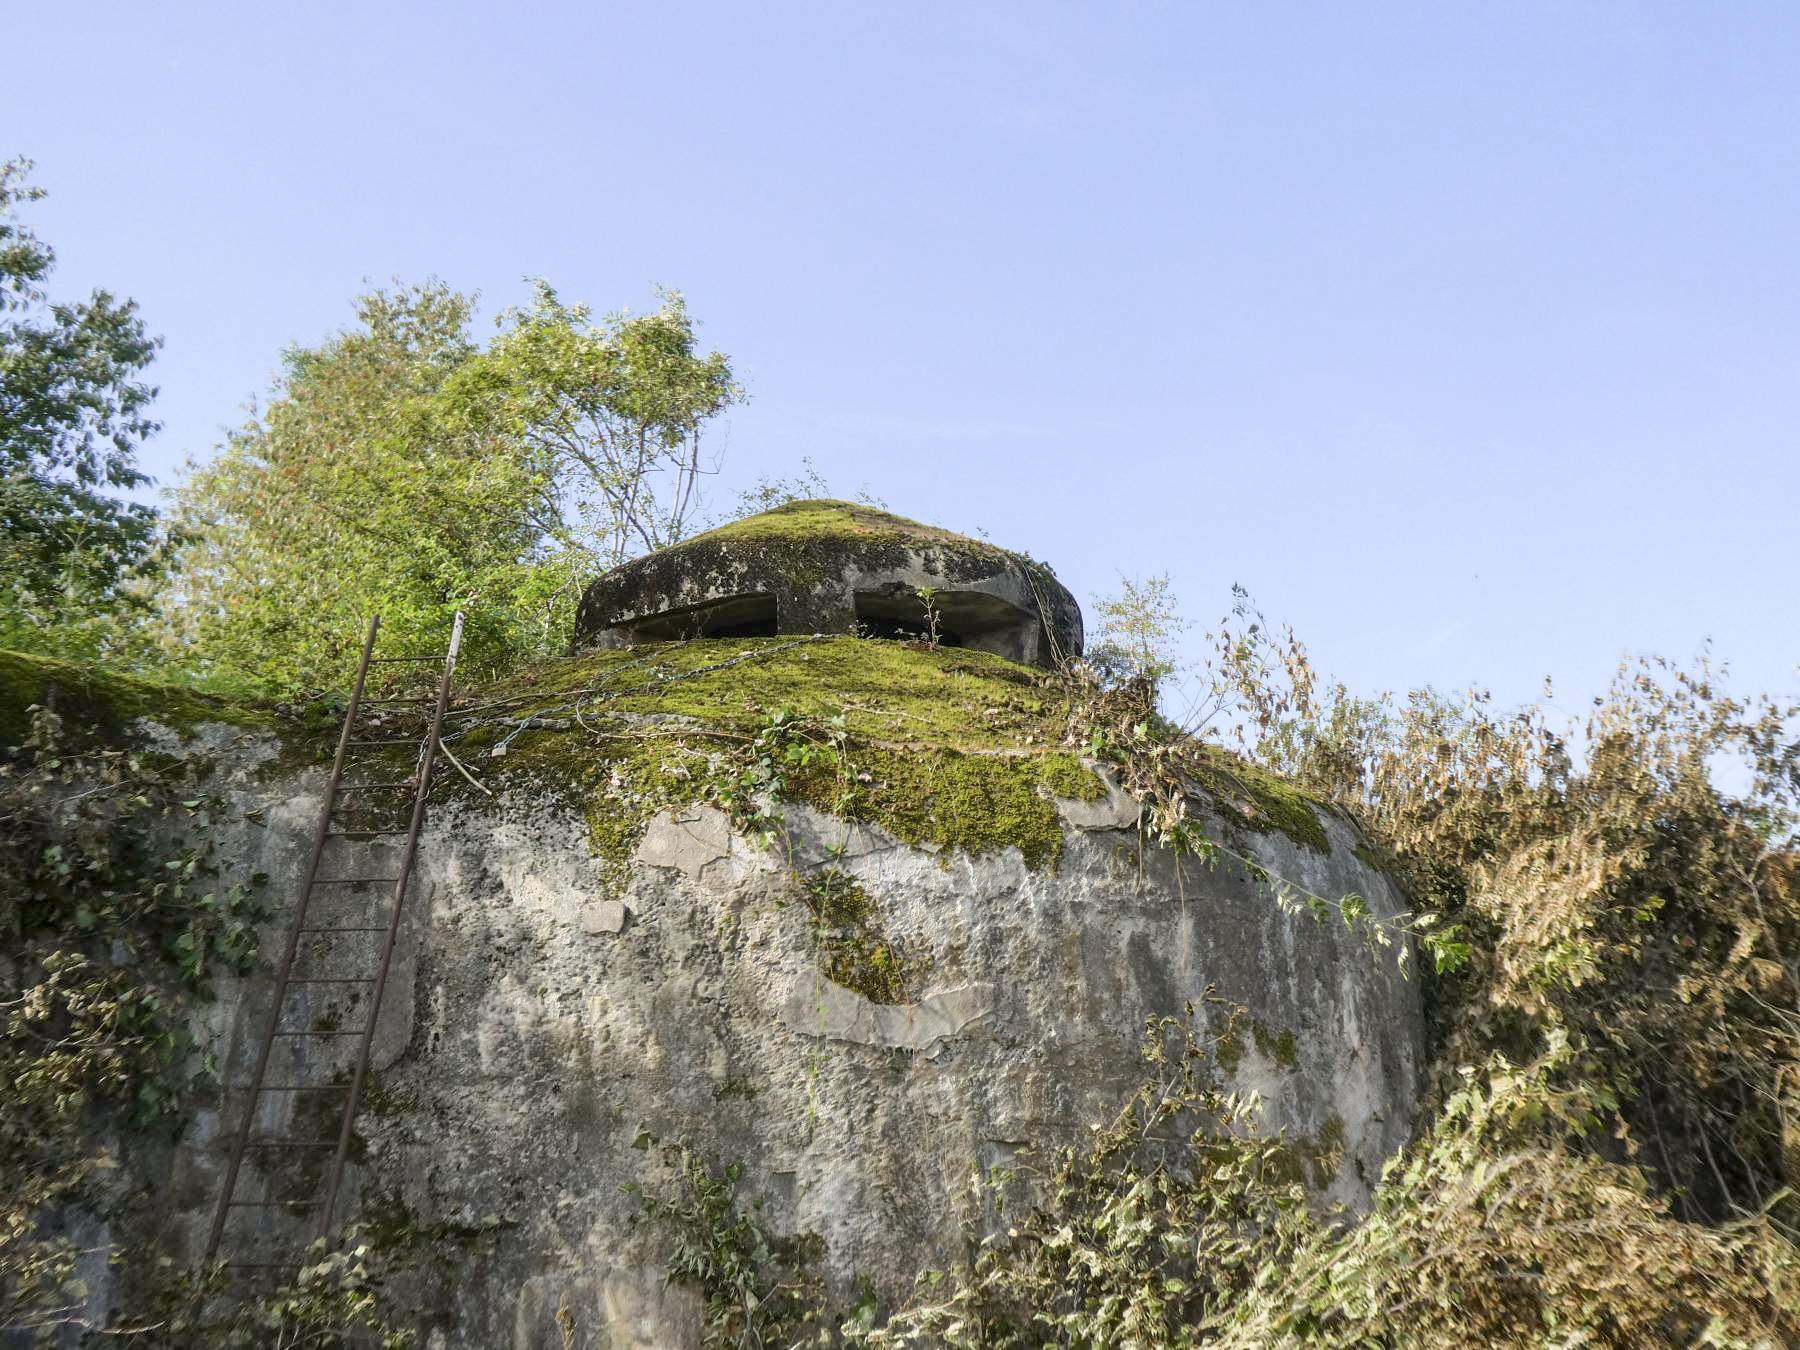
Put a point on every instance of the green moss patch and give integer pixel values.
(805, 521)
(1279, 1047)
(626, 733)
(950, 749)
(886, 691)
(1312, 1160)
(808, 542)
(964, 803)
(1371, 856)
(1253, 798)
(104, 703)
(615, 786)
(853, 948)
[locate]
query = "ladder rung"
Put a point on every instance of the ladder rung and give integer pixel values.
(394, 660)
(287, 1087)
(370, 702)
(356, 834)
(404, 740)
(349, 881)
(381, 929)
(319, 1033)
(289, 1143)
(335, 979)
(375, 787)
(269, 1204)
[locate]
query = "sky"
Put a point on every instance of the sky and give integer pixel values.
(1464, 337)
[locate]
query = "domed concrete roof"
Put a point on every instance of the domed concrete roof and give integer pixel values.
(836, 567)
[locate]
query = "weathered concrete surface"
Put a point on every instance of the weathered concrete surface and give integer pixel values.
(539, 1017)
(850, 566)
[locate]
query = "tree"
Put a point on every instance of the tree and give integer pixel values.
(399, 468)
(1138, 628)
(336, 503)
(72, 415)
(611, 414)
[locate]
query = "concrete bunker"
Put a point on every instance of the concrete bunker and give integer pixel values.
(749, 615)
(835, 567)
(974, 619)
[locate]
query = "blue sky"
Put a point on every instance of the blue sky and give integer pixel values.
(1464, 336)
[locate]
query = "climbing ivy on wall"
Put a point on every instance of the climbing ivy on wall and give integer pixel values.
(115, 927)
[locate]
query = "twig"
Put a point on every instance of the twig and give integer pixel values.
(464, 772)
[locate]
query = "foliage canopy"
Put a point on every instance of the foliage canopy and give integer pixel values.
(609, 416)
(401, 468)
(73, 412)
(336, 502)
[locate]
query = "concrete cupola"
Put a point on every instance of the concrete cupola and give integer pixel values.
(835, 567)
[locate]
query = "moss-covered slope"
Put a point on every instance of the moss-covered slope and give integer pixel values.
(827, 519)
(946, 749)
(105, 704)
(951, 750)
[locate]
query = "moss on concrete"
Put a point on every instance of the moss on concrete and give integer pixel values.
(1279, 1046)
(627, 733)
(956, 802)
(104, 703)
(853, 948)
(296, 1175)
(1253, 798)
(809, 542)
(806, 521)
(1312, 1160)
(1228, 1050)
(886, 690)
(948, 749)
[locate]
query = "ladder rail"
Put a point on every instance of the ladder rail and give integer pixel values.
(321, 834)
(428, 760)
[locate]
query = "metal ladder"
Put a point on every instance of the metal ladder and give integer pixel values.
(258, 1090)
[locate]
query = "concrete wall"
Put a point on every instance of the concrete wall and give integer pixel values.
(539, 1017)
